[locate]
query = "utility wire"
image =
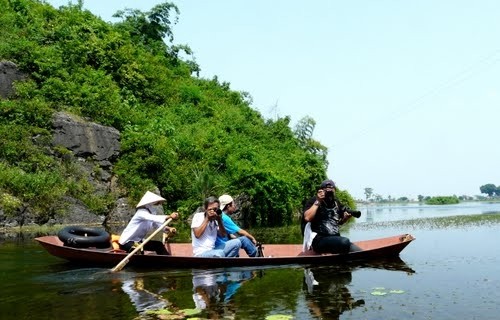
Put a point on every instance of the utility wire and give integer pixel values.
(460, 77)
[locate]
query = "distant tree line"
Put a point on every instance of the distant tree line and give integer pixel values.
(370, 196)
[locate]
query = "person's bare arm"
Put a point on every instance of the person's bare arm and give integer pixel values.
(248, 235)
(311, 212)
(198, 231)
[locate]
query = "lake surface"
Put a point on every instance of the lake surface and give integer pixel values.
(395, 212)
(450, 272)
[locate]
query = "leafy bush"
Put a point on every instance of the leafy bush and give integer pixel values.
(442, 200)
(189, 137)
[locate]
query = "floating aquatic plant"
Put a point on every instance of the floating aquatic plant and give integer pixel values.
(397, 291)
(381, 291)
(165, 314)
(279, 317)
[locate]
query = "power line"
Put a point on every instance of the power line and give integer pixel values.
(411, 106)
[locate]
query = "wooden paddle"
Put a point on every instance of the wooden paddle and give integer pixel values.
(125, 260)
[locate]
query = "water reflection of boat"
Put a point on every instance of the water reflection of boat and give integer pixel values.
(326, 288)
(393, 264)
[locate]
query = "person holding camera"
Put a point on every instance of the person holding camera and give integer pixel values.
(205, 227)
(248, 241)
(326, 214)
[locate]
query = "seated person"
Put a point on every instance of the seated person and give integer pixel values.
(205, 227)
(326, 214)
(145, 220)
(248, 242)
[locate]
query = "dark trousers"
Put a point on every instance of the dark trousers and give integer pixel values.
(333, 244)
(152, 245)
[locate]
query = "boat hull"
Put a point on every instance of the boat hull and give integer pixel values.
(275, 254)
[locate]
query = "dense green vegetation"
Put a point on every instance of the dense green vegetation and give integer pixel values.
(442, 200)
(188, 136)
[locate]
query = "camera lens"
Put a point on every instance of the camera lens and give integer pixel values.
(356, 214)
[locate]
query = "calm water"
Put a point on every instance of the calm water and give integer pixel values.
(376, 213)
(449, 272)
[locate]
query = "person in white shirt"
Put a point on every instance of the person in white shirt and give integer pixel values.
(145, 220)
(204, 229)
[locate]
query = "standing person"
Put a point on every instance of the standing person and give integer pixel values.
(326, 214)
(248, 242)
(144, 221)
(204, 230)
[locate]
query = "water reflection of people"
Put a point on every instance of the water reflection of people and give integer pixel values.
(143, 299)
(327, 294)
(211, 287)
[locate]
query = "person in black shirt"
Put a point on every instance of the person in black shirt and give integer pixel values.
(326, 214)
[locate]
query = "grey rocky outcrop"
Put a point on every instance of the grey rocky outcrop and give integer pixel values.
(93, 149)
(86, 139)
(9, 73)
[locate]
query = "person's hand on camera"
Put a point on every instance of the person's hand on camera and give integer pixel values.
(346, 217)
(212, 214)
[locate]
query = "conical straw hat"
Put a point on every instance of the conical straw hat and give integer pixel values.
(148, 198)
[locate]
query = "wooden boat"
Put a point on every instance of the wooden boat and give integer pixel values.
(182, 257)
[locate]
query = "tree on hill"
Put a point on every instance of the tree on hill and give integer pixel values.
(185, 135)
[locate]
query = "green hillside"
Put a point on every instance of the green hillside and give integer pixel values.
(188, 136)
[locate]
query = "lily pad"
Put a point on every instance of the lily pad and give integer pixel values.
(397, 291)
(379, 293)
(279, 317)
(190, 312)
(158, 312)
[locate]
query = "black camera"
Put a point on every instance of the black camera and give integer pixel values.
(218, 211)
(354, 213)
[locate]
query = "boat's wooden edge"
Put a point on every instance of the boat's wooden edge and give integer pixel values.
(274, 250)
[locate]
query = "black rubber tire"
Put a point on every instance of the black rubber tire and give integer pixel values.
(84, 237)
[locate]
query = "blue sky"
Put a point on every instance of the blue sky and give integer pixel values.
(405, 94)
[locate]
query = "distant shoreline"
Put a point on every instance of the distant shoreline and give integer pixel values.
(497, 200)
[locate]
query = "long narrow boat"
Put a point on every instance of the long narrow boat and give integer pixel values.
(182, 257)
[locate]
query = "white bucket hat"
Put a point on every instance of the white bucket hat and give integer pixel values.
(224, 200)
(149, 198)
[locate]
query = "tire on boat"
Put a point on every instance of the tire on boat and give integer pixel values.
(84, 237)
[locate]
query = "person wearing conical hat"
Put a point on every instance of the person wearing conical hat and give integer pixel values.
(145, 220)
